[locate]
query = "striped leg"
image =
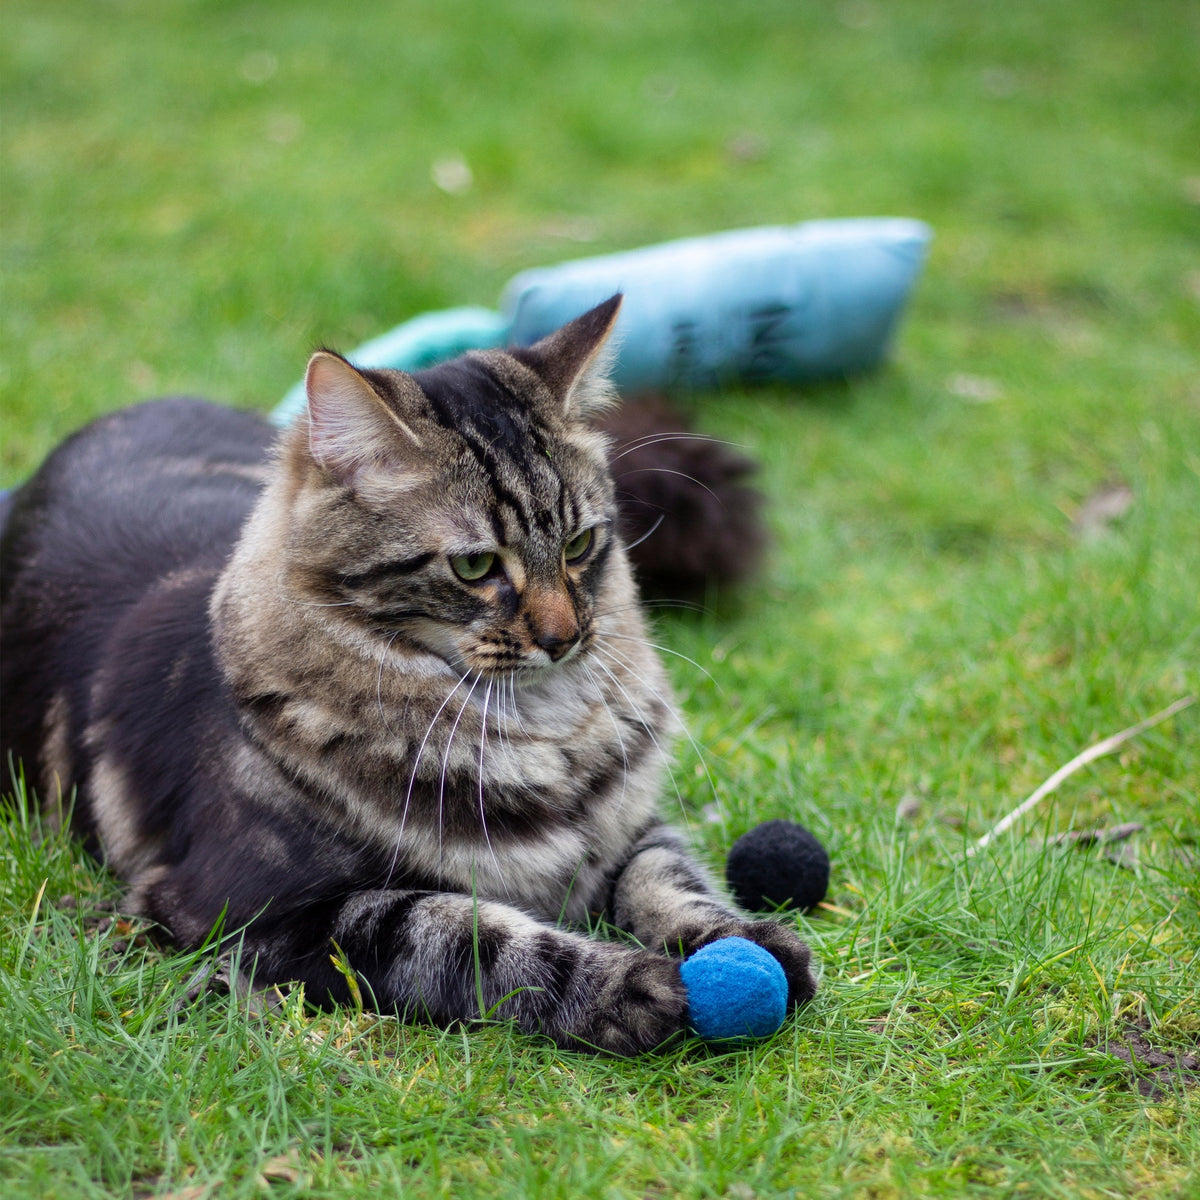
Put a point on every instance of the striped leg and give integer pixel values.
(443, 957)
(667, 902)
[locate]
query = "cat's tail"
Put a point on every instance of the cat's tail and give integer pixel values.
(689, 515)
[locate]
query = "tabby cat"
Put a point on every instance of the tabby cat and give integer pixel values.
(384, 685)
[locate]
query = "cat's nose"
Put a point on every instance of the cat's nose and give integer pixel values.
(557, 647)
(552, 624)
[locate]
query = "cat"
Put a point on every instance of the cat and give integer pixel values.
(381, 689)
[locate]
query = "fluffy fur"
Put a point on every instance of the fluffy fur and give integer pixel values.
(687, 509)
(385, 685)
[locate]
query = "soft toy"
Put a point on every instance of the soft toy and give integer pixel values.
(782, 302)
(736, 989)
(778, 864)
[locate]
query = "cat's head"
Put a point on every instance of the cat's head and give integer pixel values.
(467, 509)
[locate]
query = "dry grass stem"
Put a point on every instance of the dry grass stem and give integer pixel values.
(1107, 746)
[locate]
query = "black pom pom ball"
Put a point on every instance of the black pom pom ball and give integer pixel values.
(778, 864)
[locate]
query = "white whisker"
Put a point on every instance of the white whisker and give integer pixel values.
(654, 439)
(503, 734)
(623, 661)
(446, 764)
(649, 728)
(616, 730)
(681, 474)
(649, 532)
(379, 683)
(483, 737)
(641, 605)
(412, 778)
(512, 691)
(627, 637)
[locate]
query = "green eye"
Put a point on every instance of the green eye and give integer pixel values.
(578, 546)
(470, 567)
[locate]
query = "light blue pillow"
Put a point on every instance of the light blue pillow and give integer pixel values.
(792, 303)
(781, 302)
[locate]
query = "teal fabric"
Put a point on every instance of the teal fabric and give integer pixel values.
(783, 302)
(790, 303)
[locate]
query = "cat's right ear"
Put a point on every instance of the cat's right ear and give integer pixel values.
(573, 361)
(351, 428)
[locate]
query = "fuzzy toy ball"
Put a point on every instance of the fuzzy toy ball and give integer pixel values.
(735, 989)
(778, 864)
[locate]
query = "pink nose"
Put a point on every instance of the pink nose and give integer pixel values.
(557, 647)
(553, 626)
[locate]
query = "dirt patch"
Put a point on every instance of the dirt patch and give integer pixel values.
(1156, 1073)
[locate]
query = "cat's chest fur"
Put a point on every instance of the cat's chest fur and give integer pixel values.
(524, 792)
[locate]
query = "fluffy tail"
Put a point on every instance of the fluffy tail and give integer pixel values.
(688, 514)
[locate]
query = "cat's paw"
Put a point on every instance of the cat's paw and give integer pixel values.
(788, 949)
(639, 1004)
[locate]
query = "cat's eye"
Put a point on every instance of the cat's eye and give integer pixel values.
(578, 546)
(471, 567)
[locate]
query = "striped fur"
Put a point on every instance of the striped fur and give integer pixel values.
(385, 686)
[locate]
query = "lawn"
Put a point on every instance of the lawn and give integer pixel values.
(985, 558)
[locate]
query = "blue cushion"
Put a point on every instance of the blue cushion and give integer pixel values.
(782, 302)
(789, 303)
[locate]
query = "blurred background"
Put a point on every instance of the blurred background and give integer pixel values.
(195, 192)
(990, 544)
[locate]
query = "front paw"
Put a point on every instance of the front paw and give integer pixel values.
(792, 954)
(640, 1003)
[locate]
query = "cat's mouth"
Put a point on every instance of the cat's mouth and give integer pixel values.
(524, 669)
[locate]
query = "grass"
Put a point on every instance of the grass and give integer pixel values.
(195, 194)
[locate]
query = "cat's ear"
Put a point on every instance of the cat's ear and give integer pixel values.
(351, 428)
(574, 360)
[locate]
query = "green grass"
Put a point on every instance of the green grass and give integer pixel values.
(195, 194)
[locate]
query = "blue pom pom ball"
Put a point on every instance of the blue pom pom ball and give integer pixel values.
(735, 989)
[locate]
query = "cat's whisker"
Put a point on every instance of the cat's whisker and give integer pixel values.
(688, 605)
(446, 763)
(627, 637)
(379, 683)
(483, 737)
(500, 717)
(318, 603)
(412, 778)
(649, 532)
(712, 783)
(648, 726)
(591, 678)
(632, 667)
(511, 716)
(681, 474)
(655, 439)
(512, 691)
(642, 605)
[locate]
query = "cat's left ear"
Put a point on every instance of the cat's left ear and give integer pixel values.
(574, 360)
